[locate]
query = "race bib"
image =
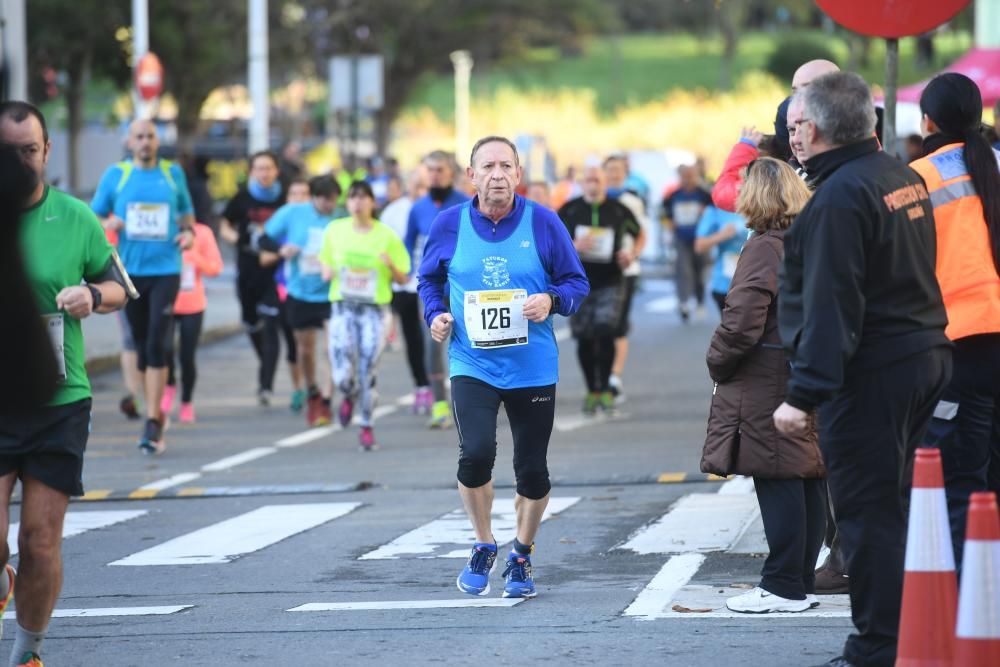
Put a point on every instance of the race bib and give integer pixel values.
(147, 222)
(603, 247)
(358, 284)
(188, 277)
(686, 213)
(54, 326)
(309, 264)
(729, 262)
(495, 318)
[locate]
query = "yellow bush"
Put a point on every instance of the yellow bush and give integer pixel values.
(707, 123)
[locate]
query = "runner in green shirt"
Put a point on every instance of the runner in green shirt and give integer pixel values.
(74, 272)
(361, 257)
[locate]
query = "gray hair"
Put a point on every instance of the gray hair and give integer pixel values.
(840, 105)
(490, 140)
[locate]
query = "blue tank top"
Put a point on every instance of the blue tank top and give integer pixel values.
(481, 270)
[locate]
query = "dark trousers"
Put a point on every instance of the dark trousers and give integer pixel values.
(188, 328)
(868, 434)
(261, 317)
(405, 304)
(794, 515)
(149, 318)
(597, 357)
(966, 428)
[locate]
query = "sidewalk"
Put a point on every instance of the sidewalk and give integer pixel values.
(222, 318)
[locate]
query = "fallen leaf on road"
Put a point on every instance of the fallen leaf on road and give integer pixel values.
(684, 610)
(566, 540)
(748, 586)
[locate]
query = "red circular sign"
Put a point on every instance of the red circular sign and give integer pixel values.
(891, 18)
(149, 76)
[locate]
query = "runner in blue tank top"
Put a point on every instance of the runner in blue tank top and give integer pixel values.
(509, 265)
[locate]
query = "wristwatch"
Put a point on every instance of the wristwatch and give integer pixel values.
(96, 295)
(556, 301)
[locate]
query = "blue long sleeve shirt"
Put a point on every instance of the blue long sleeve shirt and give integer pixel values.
(554, 246)
(418, 224)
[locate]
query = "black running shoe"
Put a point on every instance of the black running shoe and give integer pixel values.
(152, 438)
(128, 407)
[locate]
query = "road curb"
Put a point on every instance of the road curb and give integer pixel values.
(103, 363)
(662, 478)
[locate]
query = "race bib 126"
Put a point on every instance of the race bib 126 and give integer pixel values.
(495, 318)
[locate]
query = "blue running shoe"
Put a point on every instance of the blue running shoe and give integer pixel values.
(518, 577)
(475, 577)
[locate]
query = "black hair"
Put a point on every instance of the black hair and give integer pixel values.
(324, 186)
(268, 154)
(360, 187)
(954, 103)
(18, 111)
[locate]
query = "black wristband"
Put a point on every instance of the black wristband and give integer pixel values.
(97, 297)
(556, 301)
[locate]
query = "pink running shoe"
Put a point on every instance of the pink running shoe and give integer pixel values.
(423, 399)
(167, 403)
(187, 413)
(346, 411)
(367, 439)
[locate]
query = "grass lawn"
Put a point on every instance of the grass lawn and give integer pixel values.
(638, 68)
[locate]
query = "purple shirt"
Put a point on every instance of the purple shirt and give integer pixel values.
(554, 246)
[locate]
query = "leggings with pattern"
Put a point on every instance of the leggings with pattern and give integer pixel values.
(357, 337)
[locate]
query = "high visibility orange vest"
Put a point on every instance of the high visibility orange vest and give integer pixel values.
(965, 268)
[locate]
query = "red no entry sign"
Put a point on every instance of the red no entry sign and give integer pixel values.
(891, 18)
(149, 76)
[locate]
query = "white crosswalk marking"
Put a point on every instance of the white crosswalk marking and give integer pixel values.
(119, 611)
(225, 541)
(454, 530)
(79, 522)
(661, 590)
(409, 604)
(698, 522)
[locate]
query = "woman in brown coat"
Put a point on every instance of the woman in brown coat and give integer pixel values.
(749, 367)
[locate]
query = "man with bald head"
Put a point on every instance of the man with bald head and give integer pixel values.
(145, 205)
(813, 69)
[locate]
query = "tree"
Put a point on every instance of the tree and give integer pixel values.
(417, 36)
(78, 39)
(203, 45)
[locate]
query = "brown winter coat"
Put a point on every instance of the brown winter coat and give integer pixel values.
(750, 370)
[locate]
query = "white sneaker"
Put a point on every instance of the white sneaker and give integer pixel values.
(759, 601)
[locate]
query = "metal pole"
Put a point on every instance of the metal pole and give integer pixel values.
(15, 49)
(140, 45)
(258, 77)
(462, 61)
(355, 112)
(891, 80)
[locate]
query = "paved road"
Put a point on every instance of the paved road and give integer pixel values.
(252, 541)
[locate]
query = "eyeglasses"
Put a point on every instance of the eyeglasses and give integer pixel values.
(795, 124)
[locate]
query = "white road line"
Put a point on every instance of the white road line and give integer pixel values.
(182, 478)
(77, 523)
(660, 592)
(454, 530)
(307, 436)
(408, 604)
(119, 611)
(227, 540)
(698, 522)
(664, 304)
(736, 486)
(566, 424)
(701, 601)
(239, 459)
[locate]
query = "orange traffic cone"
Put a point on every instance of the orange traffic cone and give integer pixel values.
(930, 589)
(977, 641)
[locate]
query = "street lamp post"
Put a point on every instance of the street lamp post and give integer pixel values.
(140, 45)
(257, 76)
(462, 61)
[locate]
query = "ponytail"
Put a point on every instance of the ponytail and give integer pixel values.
(981, 162)
(954, 103)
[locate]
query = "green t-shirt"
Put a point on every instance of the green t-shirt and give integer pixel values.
(359, 274)
(63, 243)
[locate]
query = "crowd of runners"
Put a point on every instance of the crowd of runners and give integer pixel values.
(886, 276)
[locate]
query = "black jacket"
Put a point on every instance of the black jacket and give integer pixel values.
(858, 289)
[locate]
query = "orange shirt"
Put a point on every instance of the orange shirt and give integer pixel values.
(965, 268)
(202, 259)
